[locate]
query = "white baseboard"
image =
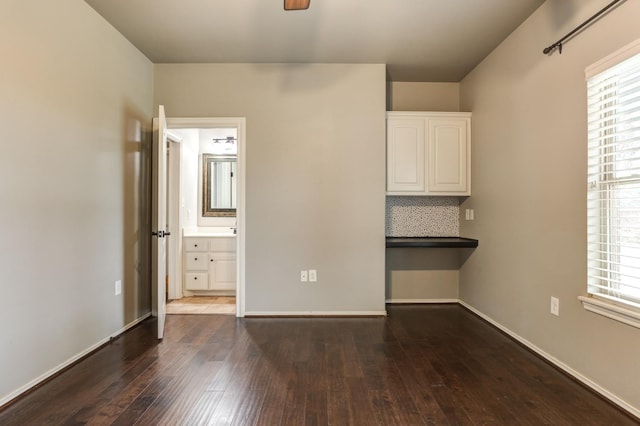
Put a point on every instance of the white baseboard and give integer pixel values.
(573, 373)
(402, 301)
(35, 382)
(315, 314)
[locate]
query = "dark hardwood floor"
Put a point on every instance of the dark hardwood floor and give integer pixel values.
(421, 365)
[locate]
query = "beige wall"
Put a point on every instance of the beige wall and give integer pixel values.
(422, 275)
(75, 95)
(315, 185)
(529, 179)
(416, 96)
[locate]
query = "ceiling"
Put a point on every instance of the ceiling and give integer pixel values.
(419, 40)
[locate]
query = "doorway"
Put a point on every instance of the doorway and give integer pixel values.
(185, 209)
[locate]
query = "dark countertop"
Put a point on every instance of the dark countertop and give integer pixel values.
(431, 242)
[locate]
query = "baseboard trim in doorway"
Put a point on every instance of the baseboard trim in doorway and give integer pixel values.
(44, 378)
(417, 301)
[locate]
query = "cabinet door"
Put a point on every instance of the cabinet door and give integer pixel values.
(405, 156)
(448, 153)
(222, 271)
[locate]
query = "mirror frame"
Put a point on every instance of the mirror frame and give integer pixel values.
(207, 159)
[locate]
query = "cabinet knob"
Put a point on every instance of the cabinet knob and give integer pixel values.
(195, 278)
(195, 258)
(210, 260)
(195, 245)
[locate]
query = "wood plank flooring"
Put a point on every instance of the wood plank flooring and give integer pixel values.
(422, 365)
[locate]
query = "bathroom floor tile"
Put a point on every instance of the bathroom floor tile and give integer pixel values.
(203, 305)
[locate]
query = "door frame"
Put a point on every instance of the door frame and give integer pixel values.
(238, 123)
(174, 241)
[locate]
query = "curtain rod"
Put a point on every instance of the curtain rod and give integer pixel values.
(558, 44)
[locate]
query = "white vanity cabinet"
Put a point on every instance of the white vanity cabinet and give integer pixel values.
(209, 263)
(222, 271)
(428, 153)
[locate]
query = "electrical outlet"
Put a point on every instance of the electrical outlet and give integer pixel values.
(555, 306)
(313, 275)
(468, 214)
(303, 276)
(118, 287)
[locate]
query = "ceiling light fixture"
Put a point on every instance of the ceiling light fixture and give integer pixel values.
(228, 139)
(296, 4)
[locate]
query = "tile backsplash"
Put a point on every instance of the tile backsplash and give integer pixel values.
(422, 216)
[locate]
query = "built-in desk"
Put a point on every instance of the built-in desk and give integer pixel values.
(431, 242)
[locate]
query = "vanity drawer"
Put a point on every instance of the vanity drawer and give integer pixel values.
(196, 244)
(196, 281)
(222, 244)
(196, 261)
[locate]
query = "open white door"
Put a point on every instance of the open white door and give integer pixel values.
(159, 219)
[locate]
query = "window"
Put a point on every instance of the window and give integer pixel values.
(613, 191)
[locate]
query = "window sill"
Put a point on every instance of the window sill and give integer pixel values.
(611, 310)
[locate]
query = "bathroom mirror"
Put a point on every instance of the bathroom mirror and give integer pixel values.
(218, 185)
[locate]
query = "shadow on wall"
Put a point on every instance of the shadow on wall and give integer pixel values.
(136, 287)
(296, 79)
(422, 260)
(563, 12)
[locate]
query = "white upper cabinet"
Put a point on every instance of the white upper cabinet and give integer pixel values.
(428, 153)
(448, 156)
(406, 150)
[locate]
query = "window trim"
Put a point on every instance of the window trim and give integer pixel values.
(610, 309)
(613, 59)
(623, 311)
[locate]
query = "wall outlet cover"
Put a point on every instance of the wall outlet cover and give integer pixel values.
(555, 306)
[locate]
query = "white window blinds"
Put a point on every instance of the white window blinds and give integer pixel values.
(613, 192)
